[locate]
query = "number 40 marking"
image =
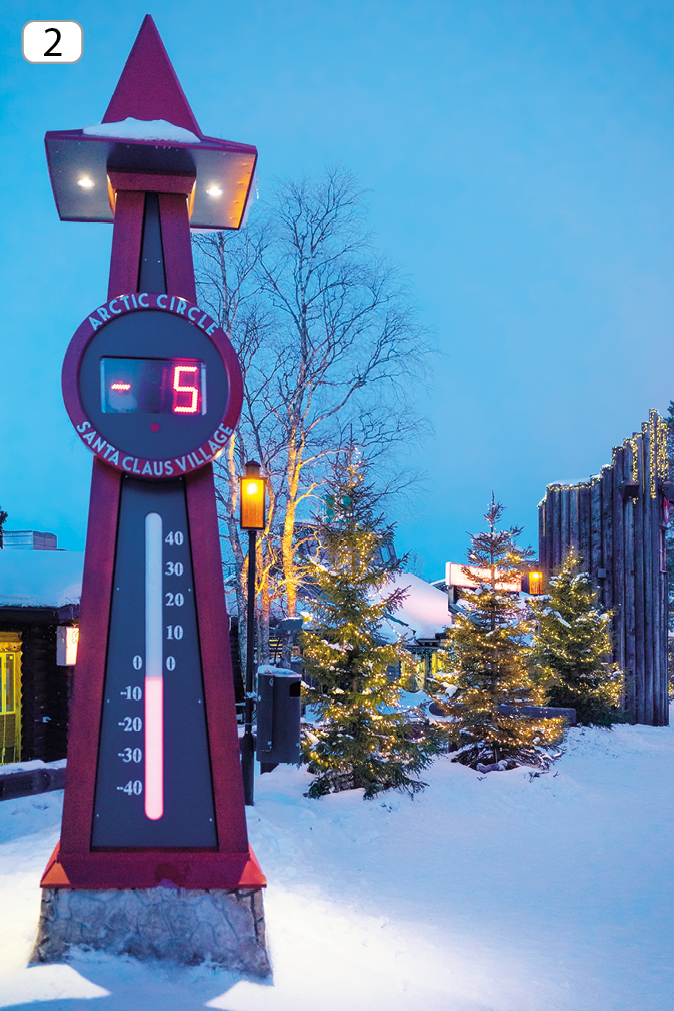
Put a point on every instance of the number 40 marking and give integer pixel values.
(134, 786)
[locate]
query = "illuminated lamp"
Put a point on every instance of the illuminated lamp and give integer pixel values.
(252, 495)
(535, 583)
(251, 517)
(149, 140)
(67, 639)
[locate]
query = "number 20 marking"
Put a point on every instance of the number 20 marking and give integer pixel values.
(131, 724)
(176, 600)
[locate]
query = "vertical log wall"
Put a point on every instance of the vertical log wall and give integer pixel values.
(615, 521)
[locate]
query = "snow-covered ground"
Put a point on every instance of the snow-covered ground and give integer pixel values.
(496, 893)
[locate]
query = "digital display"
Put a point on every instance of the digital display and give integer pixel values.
(153, 386)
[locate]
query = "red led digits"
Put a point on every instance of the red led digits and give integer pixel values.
(179, 388)
(153, 386)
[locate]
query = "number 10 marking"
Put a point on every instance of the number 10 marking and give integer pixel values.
(154, 679)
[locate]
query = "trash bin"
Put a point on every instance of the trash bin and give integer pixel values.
(278, 716)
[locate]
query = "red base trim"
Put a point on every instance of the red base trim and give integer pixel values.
(149, 868)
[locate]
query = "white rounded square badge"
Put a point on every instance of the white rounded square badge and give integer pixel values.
(52, 41)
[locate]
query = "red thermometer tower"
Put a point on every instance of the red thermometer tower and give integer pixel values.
(153, 387)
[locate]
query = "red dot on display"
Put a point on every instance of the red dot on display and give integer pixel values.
(154, 427)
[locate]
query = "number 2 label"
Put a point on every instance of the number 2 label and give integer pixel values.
(52, 41)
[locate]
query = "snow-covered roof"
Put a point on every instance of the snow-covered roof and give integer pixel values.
(143, 129)
(423, 613)
(40, 578)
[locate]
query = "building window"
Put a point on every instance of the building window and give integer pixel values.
(10, 698)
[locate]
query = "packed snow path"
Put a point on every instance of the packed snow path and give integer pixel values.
(496, 893)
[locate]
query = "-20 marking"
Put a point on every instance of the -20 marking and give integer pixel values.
(129, 723)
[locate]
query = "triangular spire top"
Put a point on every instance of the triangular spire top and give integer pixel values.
(149, 88)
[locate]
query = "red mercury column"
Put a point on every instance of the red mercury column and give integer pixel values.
(149, 169)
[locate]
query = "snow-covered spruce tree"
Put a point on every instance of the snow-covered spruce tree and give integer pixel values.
(571, 645)
(487, 656)
(362, 735)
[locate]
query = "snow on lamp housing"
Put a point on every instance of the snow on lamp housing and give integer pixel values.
(85, 171)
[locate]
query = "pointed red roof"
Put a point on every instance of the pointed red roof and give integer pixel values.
(149, 88)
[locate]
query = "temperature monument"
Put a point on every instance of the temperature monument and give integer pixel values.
(154, 856)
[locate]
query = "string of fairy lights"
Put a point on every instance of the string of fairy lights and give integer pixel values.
(655, 432)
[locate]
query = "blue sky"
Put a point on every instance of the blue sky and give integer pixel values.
(520, 162)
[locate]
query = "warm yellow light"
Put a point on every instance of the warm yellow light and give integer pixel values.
(252, 500)
(214, 191)
(85, 182)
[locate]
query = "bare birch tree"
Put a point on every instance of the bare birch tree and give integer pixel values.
(330, 347)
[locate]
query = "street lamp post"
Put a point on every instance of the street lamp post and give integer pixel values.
(252, 491)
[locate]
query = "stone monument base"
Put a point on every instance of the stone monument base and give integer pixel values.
(187, 926)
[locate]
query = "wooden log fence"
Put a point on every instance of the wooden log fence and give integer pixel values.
(616, 522)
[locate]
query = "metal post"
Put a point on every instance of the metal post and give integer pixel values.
(248, 741)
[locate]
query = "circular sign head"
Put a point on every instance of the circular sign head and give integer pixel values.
(152, 385)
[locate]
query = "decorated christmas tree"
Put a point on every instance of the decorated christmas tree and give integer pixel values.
(361, 734)
(571, 646)
(487, 659)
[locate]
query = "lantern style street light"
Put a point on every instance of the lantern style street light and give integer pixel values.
(252, 495)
